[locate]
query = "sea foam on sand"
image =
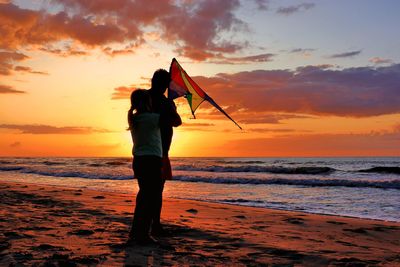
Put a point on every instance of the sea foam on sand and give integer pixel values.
(69, 226)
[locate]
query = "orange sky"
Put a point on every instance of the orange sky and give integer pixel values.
(66, 71)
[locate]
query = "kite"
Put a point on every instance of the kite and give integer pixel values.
(182, 85)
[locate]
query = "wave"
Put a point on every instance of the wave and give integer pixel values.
(50, 163)
(81, 175)
(5, 162)
(241, 200)
(393, 184)
(240, 162)
(74, 174)
(382, 169)
(116, 163)
(11, 168)
(263, 169)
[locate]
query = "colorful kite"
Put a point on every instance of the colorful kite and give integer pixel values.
(182, 85)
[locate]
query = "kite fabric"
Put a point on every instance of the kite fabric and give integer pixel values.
(182, 85)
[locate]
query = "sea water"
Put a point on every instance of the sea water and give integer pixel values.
(358, 187)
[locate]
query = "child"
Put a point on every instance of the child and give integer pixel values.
(147, 163)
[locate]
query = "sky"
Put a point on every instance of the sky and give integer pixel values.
(302, 78)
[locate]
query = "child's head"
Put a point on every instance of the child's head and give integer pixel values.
(141, 101)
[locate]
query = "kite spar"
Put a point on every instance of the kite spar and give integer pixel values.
(182, 85)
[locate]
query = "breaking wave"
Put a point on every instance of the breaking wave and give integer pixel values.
(382, 169)
(262, 169)
(393, 184)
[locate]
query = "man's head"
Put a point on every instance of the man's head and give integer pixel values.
(160, 81)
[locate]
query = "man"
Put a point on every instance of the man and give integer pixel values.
(168, 118)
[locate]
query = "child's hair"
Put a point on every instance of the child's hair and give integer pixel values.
(141, 102)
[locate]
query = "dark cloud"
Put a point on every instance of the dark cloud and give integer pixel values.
(20, 27)
(5, 89)
(94, 23)
(210, 19)
(353, 92)
(346, 54)
(302, 51)
(289, 10)
(48, 129)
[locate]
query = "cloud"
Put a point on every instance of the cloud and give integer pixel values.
(7, 60)
(258, 118)
(197, 124)
(289, 10)
(66, 51)
(350, 92)
(209, 19)
(379, 60)
(318, 145)
(5, 89)
(346, 54)
(302, 51)
(29, 70)
(266, 130)
(48, 129)
(103, 24)
(115, 52)
(242, 60)
(122, 92)
(15, 144)
(20, 27)
(262, 4)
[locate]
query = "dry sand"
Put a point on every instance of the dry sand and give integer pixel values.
(55, 226)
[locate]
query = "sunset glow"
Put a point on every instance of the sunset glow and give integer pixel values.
(301, 78)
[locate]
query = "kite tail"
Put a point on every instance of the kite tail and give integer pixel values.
(212, 102)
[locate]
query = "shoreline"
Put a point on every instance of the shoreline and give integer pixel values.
(53, 224)
(191, 199)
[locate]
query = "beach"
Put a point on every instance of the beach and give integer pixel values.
(64, 226)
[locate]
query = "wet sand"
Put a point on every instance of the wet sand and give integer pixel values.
(57, 226)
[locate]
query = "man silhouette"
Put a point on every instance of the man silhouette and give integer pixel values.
(168, 118)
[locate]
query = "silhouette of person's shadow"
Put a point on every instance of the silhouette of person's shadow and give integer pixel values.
(149, 255)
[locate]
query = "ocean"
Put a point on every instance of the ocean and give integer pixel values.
(356, 187)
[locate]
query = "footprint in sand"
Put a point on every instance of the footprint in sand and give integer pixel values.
(81, 232)
(49, 247)
(294, 220)
(356, 230)
(4, 245)
(193, 211)
(335, 222)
